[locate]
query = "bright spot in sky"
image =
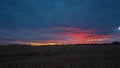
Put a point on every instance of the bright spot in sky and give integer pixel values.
(119, 28)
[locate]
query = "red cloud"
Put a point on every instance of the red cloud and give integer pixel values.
(83, 38)
(77, 36)
(68, 35)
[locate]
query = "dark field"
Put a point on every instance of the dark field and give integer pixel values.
(79, 56)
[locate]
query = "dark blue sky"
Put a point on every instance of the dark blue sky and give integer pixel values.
(33, 20)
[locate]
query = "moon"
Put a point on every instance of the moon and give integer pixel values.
(119, 28)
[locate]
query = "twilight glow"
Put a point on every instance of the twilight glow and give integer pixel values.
(59, 35)
(43, 22)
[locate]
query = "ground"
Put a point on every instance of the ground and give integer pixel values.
(73, 56)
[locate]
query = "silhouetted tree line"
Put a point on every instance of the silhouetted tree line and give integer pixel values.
(113, 43)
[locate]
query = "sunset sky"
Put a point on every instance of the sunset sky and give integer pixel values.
(59, 21)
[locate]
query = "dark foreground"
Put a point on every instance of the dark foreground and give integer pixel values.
(86, 56)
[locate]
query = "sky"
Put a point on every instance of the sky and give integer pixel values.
(59, 21)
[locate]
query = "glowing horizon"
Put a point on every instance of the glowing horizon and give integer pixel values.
(63, 35)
